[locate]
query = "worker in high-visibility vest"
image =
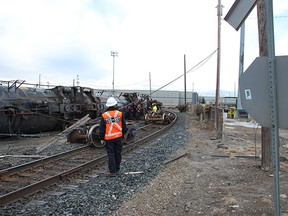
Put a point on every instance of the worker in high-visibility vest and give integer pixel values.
(154, 108)
(112, 128)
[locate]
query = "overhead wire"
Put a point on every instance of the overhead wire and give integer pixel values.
(194, 68)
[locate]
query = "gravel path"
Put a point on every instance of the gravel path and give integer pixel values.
(93, 193)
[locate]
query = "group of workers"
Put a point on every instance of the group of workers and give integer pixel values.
(138, 109)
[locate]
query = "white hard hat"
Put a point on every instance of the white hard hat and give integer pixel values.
(111, 102)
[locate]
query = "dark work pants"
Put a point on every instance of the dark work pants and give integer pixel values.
(114, 152)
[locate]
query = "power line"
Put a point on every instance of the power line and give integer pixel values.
(194, 68)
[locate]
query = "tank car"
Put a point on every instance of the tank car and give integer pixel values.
(28, 110)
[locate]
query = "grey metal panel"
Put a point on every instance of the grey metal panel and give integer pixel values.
(194, 98)
(239, 12)
(169, 98)
(254, 91)
(189, 97)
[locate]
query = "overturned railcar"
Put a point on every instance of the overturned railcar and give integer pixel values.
(25, 110)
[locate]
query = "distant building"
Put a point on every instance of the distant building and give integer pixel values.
(169, 98)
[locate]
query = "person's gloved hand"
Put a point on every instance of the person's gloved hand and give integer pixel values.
(103, 142)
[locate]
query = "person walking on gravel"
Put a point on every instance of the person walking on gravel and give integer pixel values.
(112, 128)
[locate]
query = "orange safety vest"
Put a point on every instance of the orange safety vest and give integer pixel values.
(113, 119)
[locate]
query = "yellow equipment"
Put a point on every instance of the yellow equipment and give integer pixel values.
(232, 112)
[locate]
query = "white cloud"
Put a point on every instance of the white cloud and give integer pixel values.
(61, 39)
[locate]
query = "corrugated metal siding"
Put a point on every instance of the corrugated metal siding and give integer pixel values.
(169, 98)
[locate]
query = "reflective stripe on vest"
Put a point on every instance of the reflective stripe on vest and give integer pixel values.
(113, 120)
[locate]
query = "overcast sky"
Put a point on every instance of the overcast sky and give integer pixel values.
(61, 41)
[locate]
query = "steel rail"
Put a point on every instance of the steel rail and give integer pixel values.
(33, 188)
(151, 136)
(23, 167)
(41, 161)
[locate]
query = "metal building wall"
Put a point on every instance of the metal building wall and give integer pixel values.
(169, 98)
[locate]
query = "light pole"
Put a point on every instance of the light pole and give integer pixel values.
(114, 54)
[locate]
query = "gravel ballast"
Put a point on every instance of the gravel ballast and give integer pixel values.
(95, 194)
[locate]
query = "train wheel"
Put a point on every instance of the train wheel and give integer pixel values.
(93, 136)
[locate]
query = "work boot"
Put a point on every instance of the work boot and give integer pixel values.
(109, 174)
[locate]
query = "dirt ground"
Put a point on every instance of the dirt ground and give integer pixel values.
(214, 177)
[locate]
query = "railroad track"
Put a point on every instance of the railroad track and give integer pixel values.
(26, 179)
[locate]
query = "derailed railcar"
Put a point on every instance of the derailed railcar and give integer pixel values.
(76, 102)
(27, 110)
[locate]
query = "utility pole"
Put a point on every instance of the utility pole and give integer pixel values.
(185, 101)
(114, 54)
(39, 80)
(77, 80)
(266, 148)
(150, 82)
(219, 14)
